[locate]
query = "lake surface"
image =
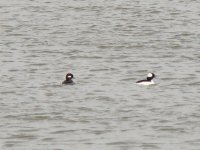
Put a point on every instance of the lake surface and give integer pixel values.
(108, 46)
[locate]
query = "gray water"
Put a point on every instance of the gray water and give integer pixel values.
(108, 46)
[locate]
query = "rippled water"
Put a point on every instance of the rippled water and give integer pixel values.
(108, 46)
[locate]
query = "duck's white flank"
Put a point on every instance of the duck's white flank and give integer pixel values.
(146, 83)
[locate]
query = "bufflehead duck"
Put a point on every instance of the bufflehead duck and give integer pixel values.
(68, 80)
(148, 81)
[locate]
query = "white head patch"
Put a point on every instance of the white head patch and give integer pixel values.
(69, 76)
(150, 75)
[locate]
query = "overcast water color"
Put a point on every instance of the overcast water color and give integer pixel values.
(108, 45)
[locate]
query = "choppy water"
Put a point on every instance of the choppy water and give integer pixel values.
(108, 46)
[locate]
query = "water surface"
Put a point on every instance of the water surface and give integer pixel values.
(108, 46)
